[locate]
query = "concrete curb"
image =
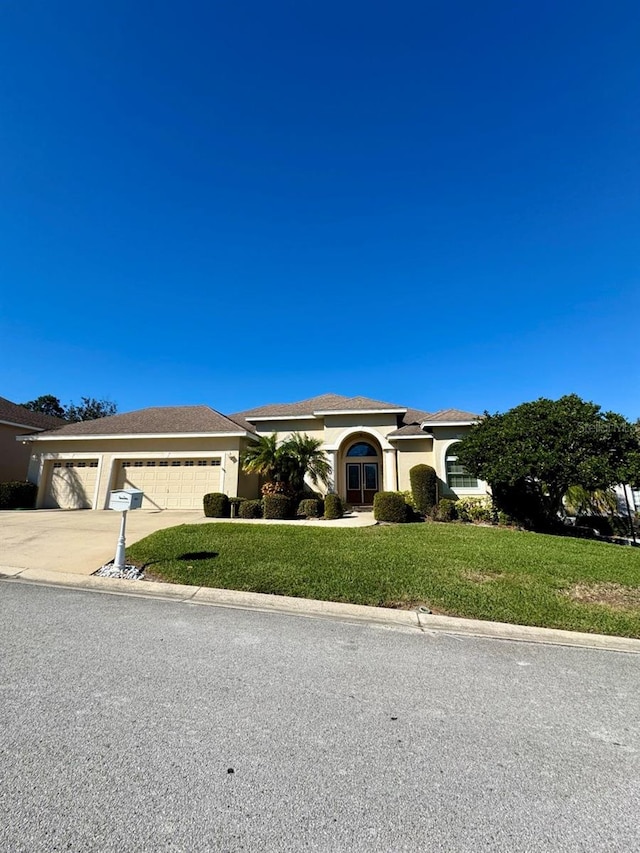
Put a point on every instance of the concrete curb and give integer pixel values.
(424, 623)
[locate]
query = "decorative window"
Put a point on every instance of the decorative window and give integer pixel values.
(57, 464)
(150, 463)
(163, 463)
(93, 464)
(189, 463)
(457, 475)
(81, 465)
(138, 464)
(362, 448)
(126, 464)
(68, 464)
(176, 463)
(202, 462)
(215, 461)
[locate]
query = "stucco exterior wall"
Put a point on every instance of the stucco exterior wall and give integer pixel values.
(14, 456)
(335, 426)
(312, 426)
(109, 452)
(412, 452)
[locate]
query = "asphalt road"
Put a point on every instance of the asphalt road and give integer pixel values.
(122, 719)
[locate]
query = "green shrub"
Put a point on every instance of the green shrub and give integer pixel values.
(503, 519)
(18, 495)
(277, 506)
(250, 509)
(424, 488)
(445, 510)
(333, 507)
(216, 505)
(477, 509)
(390, 506)
(234, 505)
(310, 508)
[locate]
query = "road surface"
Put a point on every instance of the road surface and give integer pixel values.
(131, 724)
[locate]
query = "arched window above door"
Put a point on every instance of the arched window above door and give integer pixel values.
(362, 448)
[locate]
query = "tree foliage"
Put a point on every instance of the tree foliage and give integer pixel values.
(532, 455)
(89, 408)
(47, 404)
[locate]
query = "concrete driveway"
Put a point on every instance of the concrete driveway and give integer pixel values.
(80, 541)
(76, 540)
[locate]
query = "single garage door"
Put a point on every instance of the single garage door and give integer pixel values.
(170, 483)
(72, 484)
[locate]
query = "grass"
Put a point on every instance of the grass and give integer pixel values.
(462, 570)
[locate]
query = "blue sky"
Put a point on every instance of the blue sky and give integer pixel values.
(436, 204)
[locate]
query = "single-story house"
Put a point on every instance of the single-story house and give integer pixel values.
(177, 454)
(14, 421)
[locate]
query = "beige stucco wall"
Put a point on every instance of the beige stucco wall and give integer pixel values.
(312, 426)
(412, 452)
(109, 452)
(14, 456)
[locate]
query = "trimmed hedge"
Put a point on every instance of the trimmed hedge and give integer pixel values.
(216, 505)
(391, 507)
(424, 488)
(277, 506)
(444, 511)
(333, 507)
(250, 509)
(18, 495)
(310, 508)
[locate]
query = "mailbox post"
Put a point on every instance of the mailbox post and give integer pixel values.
(123, 500)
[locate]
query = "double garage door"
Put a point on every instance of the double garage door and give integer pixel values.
(166, 483)
(170, 483)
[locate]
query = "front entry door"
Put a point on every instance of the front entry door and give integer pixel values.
(362, 482)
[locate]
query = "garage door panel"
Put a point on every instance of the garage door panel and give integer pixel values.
(72, 484)
(171, 484)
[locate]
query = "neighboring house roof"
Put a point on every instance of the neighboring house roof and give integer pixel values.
(12, 413)
(323, 403)
(161, 420)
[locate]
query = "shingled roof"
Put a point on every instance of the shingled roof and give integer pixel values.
(323, 403)
(179, 420)
(14, 414)
(451, 416)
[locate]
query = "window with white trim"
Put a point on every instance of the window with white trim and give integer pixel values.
(457, 475)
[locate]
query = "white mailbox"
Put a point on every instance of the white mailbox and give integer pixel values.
(124, 499)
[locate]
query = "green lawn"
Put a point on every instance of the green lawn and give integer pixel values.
(461, 570)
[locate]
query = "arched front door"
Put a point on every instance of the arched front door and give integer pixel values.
(362, 473)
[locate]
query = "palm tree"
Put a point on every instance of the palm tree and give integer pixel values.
(264, 458)
(285, 467)
(302, 456)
